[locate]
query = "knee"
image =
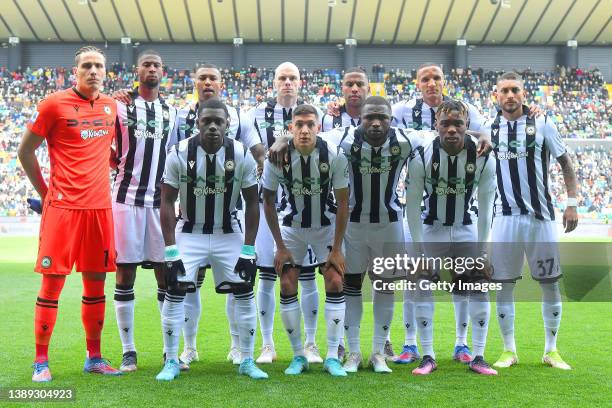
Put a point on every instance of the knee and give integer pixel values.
(287, 284)
(333, 283)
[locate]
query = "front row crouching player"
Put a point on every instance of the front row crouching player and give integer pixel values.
(208, 171)
(447, 172)
(77, 223)
(313, 168)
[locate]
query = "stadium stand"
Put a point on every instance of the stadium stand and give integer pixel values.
(577, 99)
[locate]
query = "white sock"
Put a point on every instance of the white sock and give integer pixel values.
(460, 303)
(551, 313)
(383, 314)
(230, 303)
(424, 310)
(409, 318)
(292, 321)
(505, 315)
(266, 305)
(480, 313)
(352, 317)
(335, 308)
(309, 302)
(161, 294)
(124, 311)
(245, 315)
(193, 308)
(173, 318)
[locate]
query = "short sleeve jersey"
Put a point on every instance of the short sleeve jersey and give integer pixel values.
(79, 133)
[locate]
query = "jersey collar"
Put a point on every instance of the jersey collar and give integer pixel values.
(80, 95)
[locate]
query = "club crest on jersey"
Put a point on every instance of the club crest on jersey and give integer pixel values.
(286, 167)
(191, 164)
(46, 262)
(324, 167)
(269, 114)
(107, 109)
(470, 167)
(435, 166)
(131, 107)
(417, 113)
(337, 126)
(355, 148)
(530, 130)
(229, 165)
(166, 115)
(395, 150)
(191, 116)
(495, 132)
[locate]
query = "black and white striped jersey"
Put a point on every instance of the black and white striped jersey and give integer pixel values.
(187, 123)
(448, 183)
(523, 149)
(306, 183)
(335, 122)
(209, 184)
(269, 120)
(144, 133)
(416, 114)
(374, 172)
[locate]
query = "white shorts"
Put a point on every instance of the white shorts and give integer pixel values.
(265, 247)
(364, 242)
(138, 234)
(305, 242)
(220, 251)
(455, 241)
(515, 236)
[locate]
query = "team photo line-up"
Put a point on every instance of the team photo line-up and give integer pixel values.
(284, 190)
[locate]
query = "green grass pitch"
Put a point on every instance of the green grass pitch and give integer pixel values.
(584, 342)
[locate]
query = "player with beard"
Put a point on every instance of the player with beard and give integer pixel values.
(146, 130)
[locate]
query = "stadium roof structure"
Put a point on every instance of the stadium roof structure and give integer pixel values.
(417, 22)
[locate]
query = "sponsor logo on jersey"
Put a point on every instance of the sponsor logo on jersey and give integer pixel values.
(143, 123)
(145, 134)
(511, 155)
(302, 191)
(204, 191)
(93, 133)
(87, 123)
(450, 190)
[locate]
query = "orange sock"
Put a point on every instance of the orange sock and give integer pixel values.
(92, 314)
(45, 313)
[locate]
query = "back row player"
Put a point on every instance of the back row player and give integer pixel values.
(269, 120)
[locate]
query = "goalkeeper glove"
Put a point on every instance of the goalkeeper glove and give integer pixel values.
(246, 267)
(174, 266)
(35, 205)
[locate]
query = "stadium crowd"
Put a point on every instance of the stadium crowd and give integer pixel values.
(577, 99)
